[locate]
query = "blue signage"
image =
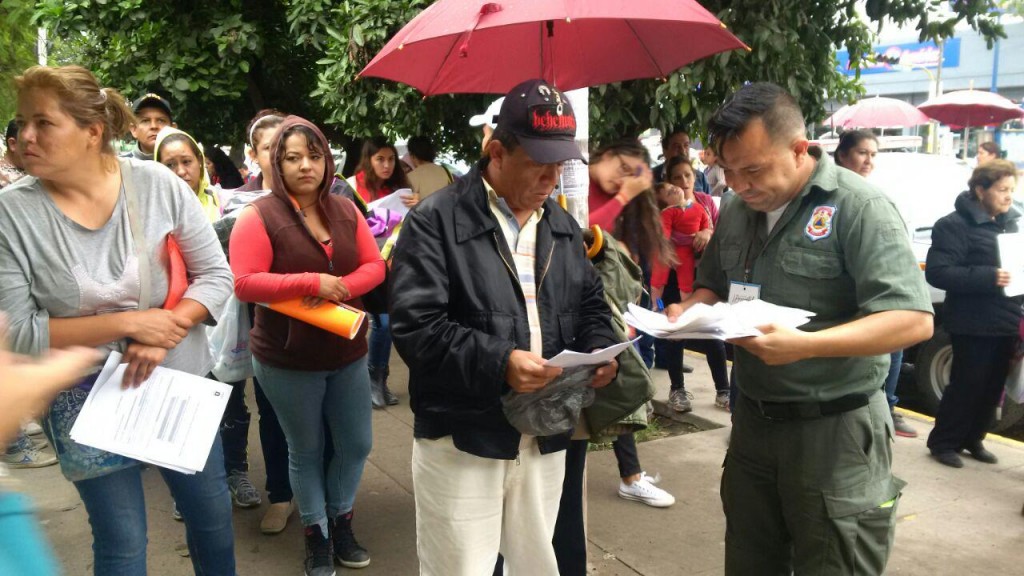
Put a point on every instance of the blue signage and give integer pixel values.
(904, 57)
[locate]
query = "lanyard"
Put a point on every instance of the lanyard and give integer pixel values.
(748, 265)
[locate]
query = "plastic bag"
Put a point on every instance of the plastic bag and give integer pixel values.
(1015, 377)
(555, 408)
(229, 343)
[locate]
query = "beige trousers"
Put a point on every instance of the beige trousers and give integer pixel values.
(468, 509)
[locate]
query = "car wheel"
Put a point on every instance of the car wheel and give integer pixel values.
(934, 360)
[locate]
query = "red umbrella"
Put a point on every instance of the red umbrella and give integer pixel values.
(971, 108)
(468, 46)
(877, 113)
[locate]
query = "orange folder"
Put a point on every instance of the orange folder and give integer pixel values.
(336, 318)
(177, 274)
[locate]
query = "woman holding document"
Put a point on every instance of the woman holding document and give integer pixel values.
(981, 320)
(378, 176)
(302, 241)
(83, 262)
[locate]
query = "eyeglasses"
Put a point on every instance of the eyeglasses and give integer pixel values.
(624, 169)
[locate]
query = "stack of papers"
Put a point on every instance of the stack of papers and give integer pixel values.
(169, 421)
(719, 322)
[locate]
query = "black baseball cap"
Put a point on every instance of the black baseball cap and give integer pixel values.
(542, 119)
(152, 100)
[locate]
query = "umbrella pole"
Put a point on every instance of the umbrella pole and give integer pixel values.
(547, 66)
(967, 135)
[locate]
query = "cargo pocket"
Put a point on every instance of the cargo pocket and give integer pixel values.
(567, 328)
(862, 523)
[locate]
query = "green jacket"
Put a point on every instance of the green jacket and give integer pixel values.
(840, 250)
(620, 407)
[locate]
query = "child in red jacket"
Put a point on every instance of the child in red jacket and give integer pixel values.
(681, 217)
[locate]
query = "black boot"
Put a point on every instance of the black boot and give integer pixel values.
(389, 397)
(318, 553)
(377, 387)
(347, 551)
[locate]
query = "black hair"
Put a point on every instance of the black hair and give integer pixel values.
(639, 228)
(668, 134)
(775, 107)
(848, 141)
(507, 139)
(12, 131)
(622, 147)
(421, 148)
(227, 173)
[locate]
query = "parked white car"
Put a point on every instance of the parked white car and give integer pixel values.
(924, 187)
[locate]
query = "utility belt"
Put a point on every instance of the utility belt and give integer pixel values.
(808, 410)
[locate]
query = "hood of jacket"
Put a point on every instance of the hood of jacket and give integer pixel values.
(207, 197)
(277, 185)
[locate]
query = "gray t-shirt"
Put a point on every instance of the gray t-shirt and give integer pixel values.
(51, 266)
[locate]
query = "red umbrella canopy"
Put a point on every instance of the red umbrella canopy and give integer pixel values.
(971, 108)
(469, 46)
(877, 112)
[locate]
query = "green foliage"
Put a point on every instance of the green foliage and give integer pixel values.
(352, 32)
(221, 60)
(217, 62)
(17, 51)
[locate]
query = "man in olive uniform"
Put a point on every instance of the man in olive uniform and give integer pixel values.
(808, 486)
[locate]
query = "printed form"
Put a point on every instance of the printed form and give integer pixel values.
(170, 420)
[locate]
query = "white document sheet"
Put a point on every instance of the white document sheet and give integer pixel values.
(1011, 259)
(392, 202)
(169, 421)
(570, 359)
(722, 321)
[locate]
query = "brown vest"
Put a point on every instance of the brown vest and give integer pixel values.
(279, 340)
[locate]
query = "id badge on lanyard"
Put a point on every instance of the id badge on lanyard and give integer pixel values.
(743, 291)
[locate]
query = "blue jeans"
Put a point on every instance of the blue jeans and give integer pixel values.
(303, 400)
(117, 513)
(380, 340)
(895, 362)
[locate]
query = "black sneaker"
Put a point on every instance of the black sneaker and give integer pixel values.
(318, 553)
(347, 551)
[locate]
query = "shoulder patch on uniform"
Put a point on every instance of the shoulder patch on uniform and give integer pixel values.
(819, 226)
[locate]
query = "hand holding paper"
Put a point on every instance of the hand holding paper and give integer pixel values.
(171, 421)
(394, 202)
(527, 372)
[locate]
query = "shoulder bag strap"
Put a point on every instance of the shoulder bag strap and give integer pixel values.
(138, 234)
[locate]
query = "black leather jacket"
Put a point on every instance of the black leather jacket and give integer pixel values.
(457, 312)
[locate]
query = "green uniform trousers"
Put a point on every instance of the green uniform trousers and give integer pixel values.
(810, 496)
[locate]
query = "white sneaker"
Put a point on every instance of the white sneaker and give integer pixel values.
(644, 490)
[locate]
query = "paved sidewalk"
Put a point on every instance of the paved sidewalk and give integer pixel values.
(951, 521)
